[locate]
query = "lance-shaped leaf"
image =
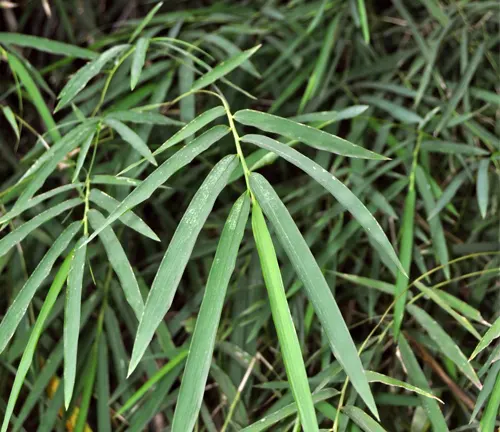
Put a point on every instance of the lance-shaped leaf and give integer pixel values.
(418, 378)
(483, 186)
(130, 218)
(317, 289)
(179, 250)
(25, 229)
(141, 47)
(283, 322)
(492, 333)
(29, 351)
(223, 69)
(18, 308)
(316, 138)
(334, 186)
(80, 79)
(72, 312)
(163, 173)
(203, 341)
(120, 263)
(132, 138)
(363, 420)
(445, 343)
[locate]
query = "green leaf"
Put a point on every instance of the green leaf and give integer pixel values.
(438, 146)
(363, 18)
(36, 98)
(179, 250)
(331, 184)
(192, 127)
(463, 85)
(29, 351)
(449, 193)
(486, 391)
(445, 343)
(120, 263)
(18, 234)
(138, 60)
(378, 377)
(490, 415)
(492, 333)
(72, 320)
(418, 378)
(84, 149)
(317, 289)
(37, 200)
(163, 173)
(132, 138)
(405, 255)
(314, 137)
(18, 308)
(319, 70)
(205, 332)
(287, 337)
(47, 163)
(147, 19)
(80, 79)
(47, 45)
(396, 111)
(436, 228)
(11, 118)
(363, 420)
(143, 117)
(223, 69)
(331, 116)
(483, 186)
(130, 219)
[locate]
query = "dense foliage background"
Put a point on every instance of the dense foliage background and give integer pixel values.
(86, 120)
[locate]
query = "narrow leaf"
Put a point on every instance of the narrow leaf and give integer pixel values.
(25, 229)
(132, 138)
(18, 308)
(314, 137)
(9, 115)
(223, 69)
(483, 186)
(445, 343)
(72, 312)
(331, 184)
(175, 259)
(317, 289)
(492, 333)
(138, 59)
(287, 336)
(120, 263)
(202, 344)
(163, 173)
(363, 420)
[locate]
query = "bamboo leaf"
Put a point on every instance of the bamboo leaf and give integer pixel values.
(203, 341)
(331, 184)
(287, 337)
(120, 263)
(175, 259)
(130, 219)
(72, 311)
(363, 420)
(317, 289)
(78, 81)
(132, 138)
(10, 117)
(163, 173)
(29, 350)
(492, 333)
(21, 232)
(23, 299)
(141, 47)
(223, 69)
(483, 186)
(445, 343)
(46, 45)
(314, 137)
